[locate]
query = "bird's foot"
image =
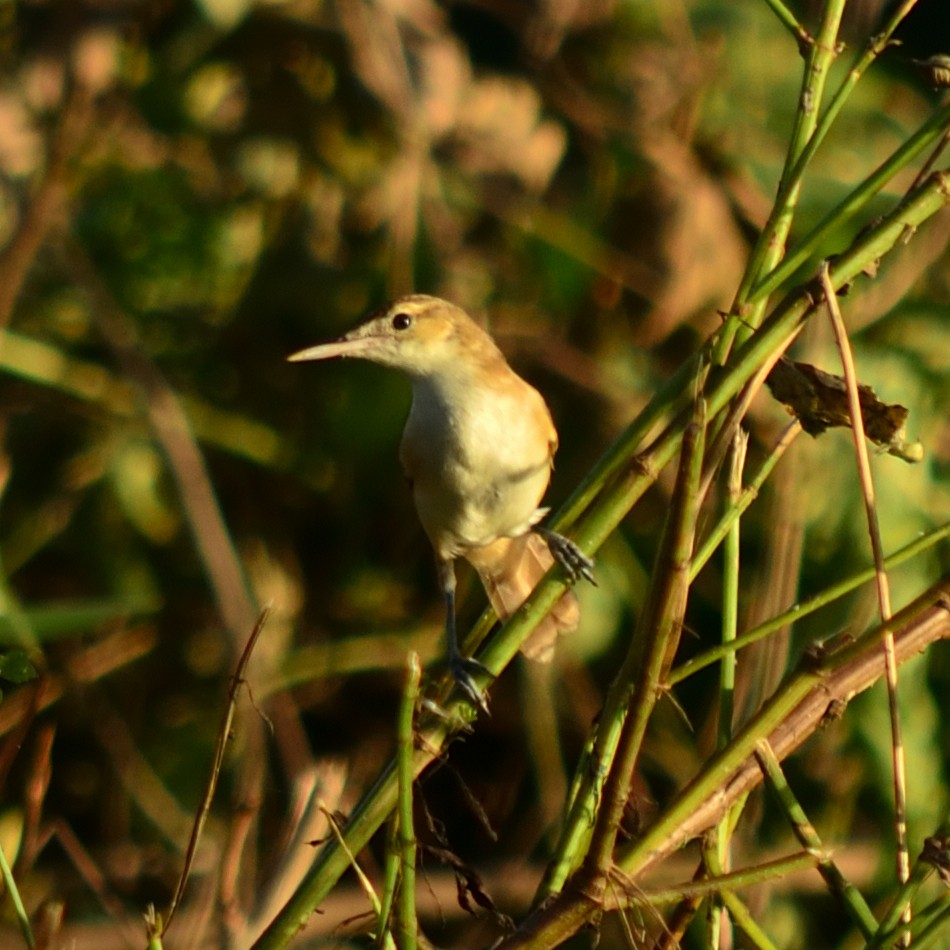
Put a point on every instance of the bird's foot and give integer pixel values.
(575, 562)
(463, 670)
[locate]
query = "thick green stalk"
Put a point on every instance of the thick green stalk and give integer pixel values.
(582, 898)
(603, 779)
(875, 46)
(387, 899)
(722, 765)
(769, 261)
(651, 652)
(636, 473)
(769, 249)
(407, 925)
(856, 201)
(674, 395)
(332, 862)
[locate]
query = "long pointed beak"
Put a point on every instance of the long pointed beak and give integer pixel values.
(328, 351)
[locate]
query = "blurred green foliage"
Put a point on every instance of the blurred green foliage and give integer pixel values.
(245, 178)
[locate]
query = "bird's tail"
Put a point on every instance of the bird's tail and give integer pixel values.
(510, 568)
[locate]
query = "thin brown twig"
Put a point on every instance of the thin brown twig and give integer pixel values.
(10, 749)
(37, 785)
(49, 201)
(224, 734)
(94, 878)
(883, 586)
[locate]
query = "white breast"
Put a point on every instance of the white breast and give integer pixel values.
(479, 458)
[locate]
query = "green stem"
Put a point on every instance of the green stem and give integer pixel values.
(876, 45)
(789, 21)
(753, 876)
(922, 869)
(652, 649)
(827, 596)
(738, 910)
(855, 201)
(770, 247)
(408, 925)
(780, 269)
(717, 852)
(730, 595)
(603, 779)
(22, 917)
(391, 866)
(852, 899)
(748, 495)
(936, 920)
(834, 674)
(723, 764)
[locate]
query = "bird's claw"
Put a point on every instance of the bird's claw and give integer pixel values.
(463, 670)
(575, 562)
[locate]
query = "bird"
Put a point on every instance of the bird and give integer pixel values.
(478, 449)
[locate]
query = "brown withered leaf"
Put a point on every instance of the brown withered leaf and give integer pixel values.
(819, 401)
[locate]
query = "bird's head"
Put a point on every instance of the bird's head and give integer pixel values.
(418, 334)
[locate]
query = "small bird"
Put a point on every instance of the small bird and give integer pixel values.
(478, 449)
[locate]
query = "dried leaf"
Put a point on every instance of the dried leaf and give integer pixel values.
(819, 401)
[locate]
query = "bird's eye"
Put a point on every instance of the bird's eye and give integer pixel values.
(402, 321)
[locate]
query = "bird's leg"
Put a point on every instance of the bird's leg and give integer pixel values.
(575, 562)
(462, 668)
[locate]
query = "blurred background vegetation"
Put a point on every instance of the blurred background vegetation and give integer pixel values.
(192, 189)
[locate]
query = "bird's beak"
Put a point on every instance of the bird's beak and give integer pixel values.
(345, 346)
